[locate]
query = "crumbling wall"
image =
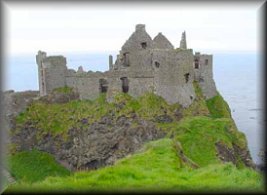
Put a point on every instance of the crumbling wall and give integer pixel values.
(139, 40)
(87, 84)
(52, 71)
(203, 73)
(138, 83)
(41, 71)
(142, 65)
(174, 76)
(139, 86)
(136, 52)
(161, 42)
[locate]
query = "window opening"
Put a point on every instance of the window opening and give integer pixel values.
(144, 45)
(186, 77)
(103, 85)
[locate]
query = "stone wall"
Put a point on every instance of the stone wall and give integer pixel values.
(52, 71)
(139, 40)
(171, 80)
(55, 70)
(204, 75)
(161, 42)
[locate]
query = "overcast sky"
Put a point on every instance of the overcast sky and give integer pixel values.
(93, 27)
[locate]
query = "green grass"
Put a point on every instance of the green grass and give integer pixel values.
(154, 168)
(198, 136)
(47, 118)
(218, 107)
(199, 106)
(33, 166)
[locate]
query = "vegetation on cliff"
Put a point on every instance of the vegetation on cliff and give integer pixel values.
(156, 167)
(34, 166)
(202, 149)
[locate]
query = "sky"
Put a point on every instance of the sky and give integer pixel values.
(102, 27)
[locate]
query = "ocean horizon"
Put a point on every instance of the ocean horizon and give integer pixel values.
(237, 77)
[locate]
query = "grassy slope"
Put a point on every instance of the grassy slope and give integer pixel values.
(32, 166)
(218, 107)
(157, 166)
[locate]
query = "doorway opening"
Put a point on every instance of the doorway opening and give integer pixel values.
(125, 84)
(196, 64)
(103, 85)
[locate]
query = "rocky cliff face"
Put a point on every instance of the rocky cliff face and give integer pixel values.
(94, 145)
(114, 133)
(13, 104)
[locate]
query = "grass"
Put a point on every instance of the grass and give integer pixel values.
(154, 168)
(218, 107)
(199, 106)
(198, 136)
(32, 166)
(47, 118)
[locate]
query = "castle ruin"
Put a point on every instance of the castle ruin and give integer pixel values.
(142, 65)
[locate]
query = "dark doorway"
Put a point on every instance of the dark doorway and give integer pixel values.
(103, 85)
(196, 64)
(125, 84)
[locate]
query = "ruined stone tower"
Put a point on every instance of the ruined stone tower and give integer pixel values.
(183, 41)
(51, 72)
(142, 65)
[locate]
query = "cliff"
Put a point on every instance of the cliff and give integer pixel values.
(136, 138)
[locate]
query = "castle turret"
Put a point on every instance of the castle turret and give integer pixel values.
(183, 41)
(52, 72)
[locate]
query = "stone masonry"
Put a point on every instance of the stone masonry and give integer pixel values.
(142, 65)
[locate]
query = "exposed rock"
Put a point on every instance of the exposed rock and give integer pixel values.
(178, 114)
(184, 160)
(163, 119)
(227, 154)
(100, 143)
(8, 176)
(13, 103)
(261, 167)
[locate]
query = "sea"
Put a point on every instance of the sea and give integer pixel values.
(238, 78)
